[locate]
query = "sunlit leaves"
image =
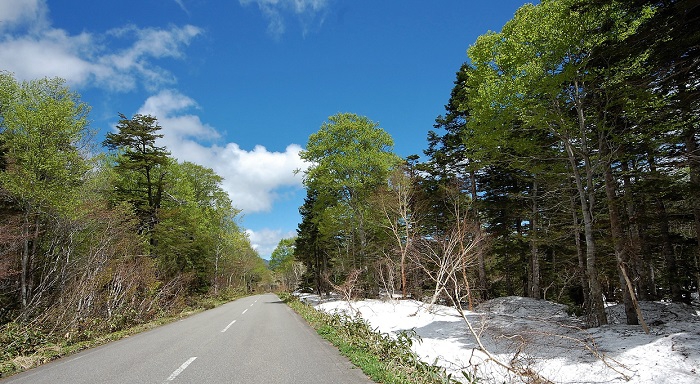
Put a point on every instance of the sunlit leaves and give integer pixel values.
(42, 127)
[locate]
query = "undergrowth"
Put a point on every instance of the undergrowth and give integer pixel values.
(383, 358)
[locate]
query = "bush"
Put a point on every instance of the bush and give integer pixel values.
(18, 340)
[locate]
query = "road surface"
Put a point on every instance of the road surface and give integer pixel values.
(256, 339)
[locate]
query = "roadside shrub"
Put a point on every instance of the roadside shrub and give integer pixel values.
(17, 339)
(384, 358)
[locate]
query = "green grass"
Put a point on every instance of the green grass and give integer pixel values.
(381, 357)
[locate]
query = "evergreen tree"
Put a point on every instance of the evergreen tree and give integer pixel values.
(141, 166)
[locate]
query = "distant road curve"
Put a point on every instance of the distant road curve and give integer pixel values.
(256, 339)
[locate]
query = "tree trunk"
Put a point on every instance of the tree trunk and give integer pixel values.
(523, 263)
(586, 193)
(25, 276)
(691, 148)
(534, 291)
(667, 245)
(403, 275)
(580, 253)
(618, 236)
(637, 258)
(596, 308)
(483, 283)
(317, 272)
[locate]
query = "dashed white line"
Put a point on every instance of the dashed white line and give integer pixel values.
(228, 326)
(244, 312)
(182, 368)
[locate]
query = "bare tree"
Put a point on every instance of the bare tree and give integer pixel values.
(446, 256)
(400, 218)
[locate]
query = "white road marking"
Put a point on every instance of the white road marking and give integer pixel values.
(182, 368)
(244, 312)
(228, 326)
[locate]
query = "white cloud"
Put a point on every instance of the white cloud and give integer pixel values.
(308, 12)
(265, 241)
(181, 4)
(31, 48)
(168, 106)
(14, 13)
(253, 179)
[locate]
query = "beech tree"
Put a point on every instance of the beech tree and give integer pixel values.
(282, 262)
(351, 157)
(43, 125)
(194, 218)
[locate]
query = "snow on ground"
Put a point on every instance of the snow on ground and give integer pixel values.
(538, 336)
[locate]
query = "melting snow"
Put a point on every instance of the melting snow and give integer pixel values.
(538, 336)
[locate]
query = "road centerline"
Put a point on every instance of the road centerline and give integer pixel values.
(182, 368)
(228, 326)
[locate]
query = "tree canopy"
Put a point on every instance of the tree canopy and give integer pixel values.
(567, 149)
(98, 242)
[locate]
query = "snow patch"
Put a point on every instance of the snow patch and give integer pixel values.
(540, 337)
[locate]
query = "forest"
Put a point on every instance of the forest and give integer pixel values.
(96, 239)
(565, 168)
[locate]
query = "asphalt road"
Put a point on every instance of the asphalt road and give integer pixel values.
(256, 339)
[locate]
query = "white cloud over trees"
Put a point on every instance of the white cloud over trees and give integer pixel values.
(253, 178)
(126, 59)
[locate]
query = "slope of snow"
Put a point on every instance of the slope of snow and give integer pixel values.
(538, 338)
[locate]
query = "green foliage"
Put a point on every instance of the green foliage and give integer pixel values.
(141, 168)
(350, 154)
(20, 339)
(136, 141)
(568, 98)
(42, 128)
(287, 270)
(351, 157)
(283, 255)
(92, 247)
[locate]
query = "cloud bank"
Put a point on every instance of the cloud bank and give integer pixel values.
(254, 179)
(266, 240)
(125, 59)
(31, 48)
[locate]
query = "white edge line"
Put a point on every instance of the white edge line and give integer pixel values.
(182, 368)
(228, 326)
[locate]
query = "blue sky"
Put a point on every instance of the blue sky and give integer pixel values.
(239, 85)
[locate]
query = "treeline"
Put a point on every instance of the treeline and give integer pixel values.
(98, 242)
(565, 167)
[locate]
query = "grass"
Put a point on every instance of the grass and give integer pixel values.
(25, 347)
(382, 358)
